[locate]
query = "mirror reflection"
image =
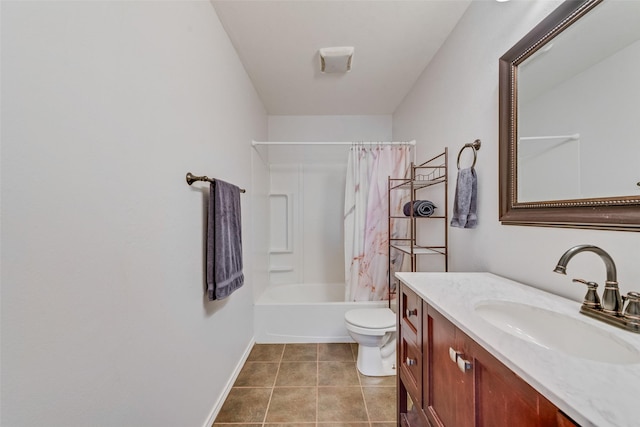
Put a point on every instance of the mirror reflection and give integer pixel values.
(578, 123)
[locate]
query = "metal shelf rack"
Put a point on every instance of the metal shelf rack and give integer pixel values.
(428, 174)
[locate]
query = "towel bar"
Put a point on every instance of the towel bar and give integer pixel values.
(193, 178)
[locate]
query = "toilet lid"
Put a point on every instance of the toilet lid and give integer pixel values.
(373, 318)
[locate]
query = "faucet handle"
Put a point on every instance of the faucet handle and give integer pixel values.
(591, 299)
(633, 305)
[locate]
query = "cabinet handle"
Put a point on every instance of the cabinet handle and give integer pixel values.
(454, 355)
(410, 313)
(463, 365)
(410, 362)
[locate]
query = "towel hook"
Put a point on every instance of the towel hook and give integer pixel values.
(475, 146)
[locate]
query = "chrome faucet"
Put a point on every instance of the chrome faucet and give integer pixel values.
(610, 309)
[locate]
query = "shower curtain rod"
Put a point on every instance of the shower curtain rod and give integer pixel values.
(254, 143)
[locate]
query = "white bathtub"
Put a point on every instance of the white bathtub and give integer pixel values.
(304, 313)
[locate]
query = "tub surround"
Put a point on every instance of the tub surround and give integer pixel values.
(592, 393)
(304, 313)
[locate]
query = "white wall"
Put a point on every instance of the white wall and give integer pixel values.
(456, 101)
(313, 177)
(105, 107)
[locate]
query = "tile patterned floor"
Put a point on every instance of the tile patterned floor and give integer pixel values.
(307, 385)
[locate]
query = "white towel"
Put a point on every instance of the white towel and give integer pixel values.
(465, 204)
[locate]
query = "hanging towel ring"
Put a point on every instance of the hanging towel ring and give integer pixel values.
(475, 146)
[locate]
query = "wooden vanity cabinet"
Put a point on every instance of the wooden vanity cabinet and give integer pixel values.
(461, 384)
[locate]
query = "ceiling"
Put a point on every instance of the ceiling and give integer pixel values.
(394, 40)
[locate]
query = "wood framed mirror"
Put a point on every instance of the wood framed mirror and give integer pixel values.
(569, 149)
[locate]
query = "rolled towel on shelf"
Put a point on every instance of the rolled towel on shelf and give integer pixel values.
(420, 208)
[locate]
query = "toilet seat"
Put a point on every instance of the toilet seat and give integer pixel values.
(372, 318)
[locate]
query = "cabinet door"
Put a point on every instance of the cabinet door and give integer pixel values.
(449, 399)
(504, 399)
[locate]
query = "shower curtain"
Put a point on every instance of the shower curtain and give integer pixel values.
(366, 217)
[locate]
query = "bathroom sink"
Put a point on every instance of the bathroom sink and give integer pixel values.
(557, 331)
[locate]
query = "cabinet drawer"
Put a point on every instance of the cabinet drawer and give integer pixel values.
(410, 362)
(411, 314)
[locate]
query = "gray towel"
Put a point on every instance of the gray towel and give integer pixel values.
(224, 241)
(420, 208)
(465, 204)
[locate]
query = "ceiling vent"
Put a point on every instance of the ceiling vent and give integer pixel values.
(336, 59)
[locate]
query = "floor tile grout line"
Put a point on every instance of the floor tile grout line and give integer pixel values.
(317, 382)
(366, 409)
(273, 385)
(364, 399)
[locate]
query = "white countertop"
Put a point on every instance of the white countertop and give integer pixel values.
(592, 393)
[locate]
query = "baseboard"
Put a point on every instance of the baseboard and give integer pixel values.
(269, 338)
(227, 389)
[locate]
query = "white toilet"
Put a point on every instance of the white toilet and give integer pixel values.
(374, 329)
